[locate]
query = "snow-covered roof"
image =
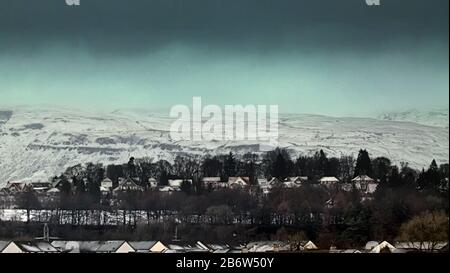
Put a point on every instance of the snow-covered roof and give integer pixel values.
(176, 183)
(53, 190)
(363, 178)
(328, 179)
(385, 246)
(213, 179)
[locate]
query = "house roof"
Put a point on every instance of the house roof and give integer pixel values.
(3, 245)
(176, 183)
(329, 179)
(110, 246)
(236, 179)
(213, 179)
(36, 247)
(106, 180)
(363, 178)
(142, 245)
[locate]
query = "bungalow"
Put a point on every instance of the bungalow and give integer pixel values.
(238, 182)
(9, 247)
(127, 184)
(329, 181)
(148, 246)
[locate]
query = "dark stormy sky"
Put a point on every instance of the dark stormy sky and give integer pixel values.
(311, 56)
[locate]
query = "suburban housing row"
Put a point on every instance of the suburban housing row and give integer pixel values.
(362, 183)
(120, 246)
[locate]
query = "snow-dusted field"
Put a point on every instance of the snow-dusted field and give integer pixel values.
(36, 143)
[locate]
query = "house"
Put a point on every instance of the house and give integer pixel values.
(9, 247)
(76, 246)
(264, 185)
(177, 183)
(294, 182)
(238, 182)
(214, 183)
(386, 247)
(167, 189)
(36, 247)
(267, 246)
(308, 245)
(15, 187)
(127, 184)
(152, 183)
(172, 248)
(365, 184)
(115, 247)
(54, 191)
(329, 181)
(106, 185)
(39, 187)
(148, 246)
(213, 248)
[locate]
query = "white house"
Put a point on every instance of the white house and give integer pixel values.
(127, 185)
(214, 182)
(238, 182)
(309, 245)
(365, 184)
(329, 181)
(106, 185)
(385, 247)
(153, 183)
(176, 183)
(167, 189)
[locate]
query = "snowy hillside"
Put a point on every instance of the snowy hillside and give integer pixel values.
(36, 143)
(435, 117)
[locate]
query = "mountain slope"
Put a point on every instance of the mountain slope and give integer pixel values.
(37, 143)
(435, 117)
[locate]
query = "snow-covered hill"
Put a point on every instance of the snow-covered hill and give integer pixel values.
(436, 117)
(36, 143)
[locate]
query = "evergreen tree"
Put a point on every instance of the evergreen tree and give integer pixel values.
(363, 164)
(230, 166)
